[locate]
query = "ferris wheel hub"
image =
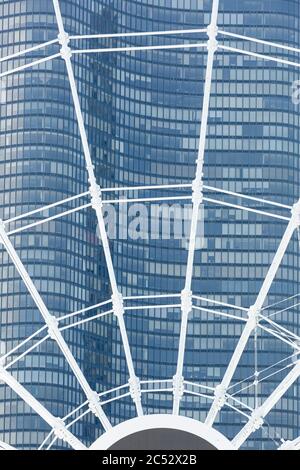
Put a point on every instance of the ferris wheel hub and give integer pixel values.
(162, 431)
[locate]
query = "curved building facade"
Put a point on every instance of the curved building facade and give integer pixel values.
(251, 148)
(143, 113)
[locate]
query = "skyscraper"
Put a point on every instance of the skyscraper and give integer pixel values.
(143, 113)
(251, 148)
(42, 163)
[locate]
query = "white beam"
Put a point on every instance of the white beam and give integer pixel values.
(139, 34)
(247, 209)
(84, 310)
(27, 51)
(253, 316)
(186, 296)
(22, 343)
(96, 197)
(280, 336)
(56, 424)
(53, 329)
(257, 418)
(139, 48)
(260, 41)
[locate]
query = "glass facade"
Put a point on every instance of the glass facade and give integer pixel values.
(251, 148)
(143, 115)
(42, 162)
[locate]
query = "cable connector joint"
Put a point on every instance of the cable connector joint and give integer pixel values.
(212, 43)
(220, 396)
(60, 430)
(296, 213)
(95, 192)
(186, 302)
(2, 230)
(178, 386)
(256, 421)
(52, 327)
(118, 304)
(94, 403)
(197, 196)
(135, 389)
(253, 315)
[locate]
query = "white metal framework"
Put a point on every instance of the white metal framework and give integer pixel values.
(252, 319)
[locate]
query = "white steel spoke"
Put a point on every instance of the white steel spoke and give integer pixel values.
(151, 296)
(56, 424)
(4, 446)
(253, 315)
(260, 56)
(247, 209)
(246, 196)
(86, 320)
(218, 313)
(96, 198)
(282, 329)
(20, 345)
(49, 219)
(257, 418)
(53, 329)
(186, 295)
(46, 208)
(147, 199)
(84, 310)
(218, 302)
(134, 200)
